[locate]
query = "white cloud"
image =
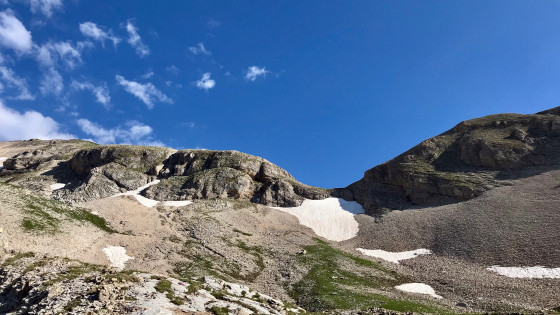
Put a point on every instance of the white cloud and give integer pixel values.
(46, 7)
(205, 83)
(51, 83)
(254, 72)
(90, 29)
(12, 80)
(199, 49)
(173, 70)
(31, 124)
(147, 92)
(13, 33)
(101, 93)
(147, 75)
(133, 133)
(136, 41)
(50, 54)
(211, 23)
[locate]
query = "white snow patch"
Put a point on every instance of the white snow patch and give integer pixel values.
(2, 159)
(177, 203)
(117, 256)
(536, 272)
(420, 288)
(151, 202)
(394, 257)
(331, 218)
(146, 201)
(57, 186)
(138, 190)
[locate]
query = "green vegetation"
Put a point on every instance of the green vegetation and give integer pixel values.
(219, 310)
(45, 215)
(164, 286)
(14, 259)
(340, 281)
(72, 304)
(73, 273)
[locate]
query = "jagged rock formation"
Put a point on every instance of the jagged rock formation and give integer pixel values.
(460, 164)
(205, 174)
(108, 170)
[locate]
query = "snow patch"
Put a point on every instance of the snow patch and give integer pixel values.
(180, 203)
(537, 272)
(420, 288)
(117, 256)
(151, 202)
(2, 159)
(394, 257)
(331, 218)
(57, 186)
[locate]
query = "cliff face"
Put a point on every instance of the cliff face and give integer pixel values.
(204, 174)
(460, 164)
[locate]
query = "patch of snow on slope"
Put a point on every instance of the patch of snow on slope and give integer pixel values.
(177, 203)
(2, 159)
(394, 257)
(117, 256)
(151, 202)
(537, 272)
(420, 288)
(57, 186)
(331, 218)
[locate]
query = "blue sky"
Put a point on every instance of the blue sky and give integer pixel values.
(325, 89)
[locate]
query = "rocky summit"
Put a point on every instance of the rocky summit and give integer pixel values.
(464, 222)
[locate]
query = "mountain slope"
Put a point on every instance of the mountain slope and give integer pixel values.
(460, 164)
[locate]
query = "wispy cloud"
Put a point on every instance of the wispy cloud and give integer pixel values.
(101, 93)
(46, 7)
(30, 124)
(132, 133)
(51, 83)
(10, 78)
(146, 92)
(136, 41)
(13, 33)
(199, 49)
(90, 29)
(211, 23)
(254, 72)
(205, 83)
(173, 70)
(51, 54)
(147, 75)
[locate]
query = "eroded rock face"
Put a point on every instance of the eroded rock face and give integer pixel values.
(461, 163)
(108, 170)
(205, 174)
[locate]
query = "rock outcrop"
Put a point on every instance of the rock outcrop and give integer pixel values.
(460, 164)
(46, 151)
(90, 171)
(205, 174)
(107, 170)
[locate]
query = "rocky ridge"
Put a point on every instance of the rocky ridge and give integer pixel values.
(457, 165)
(102, 171)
